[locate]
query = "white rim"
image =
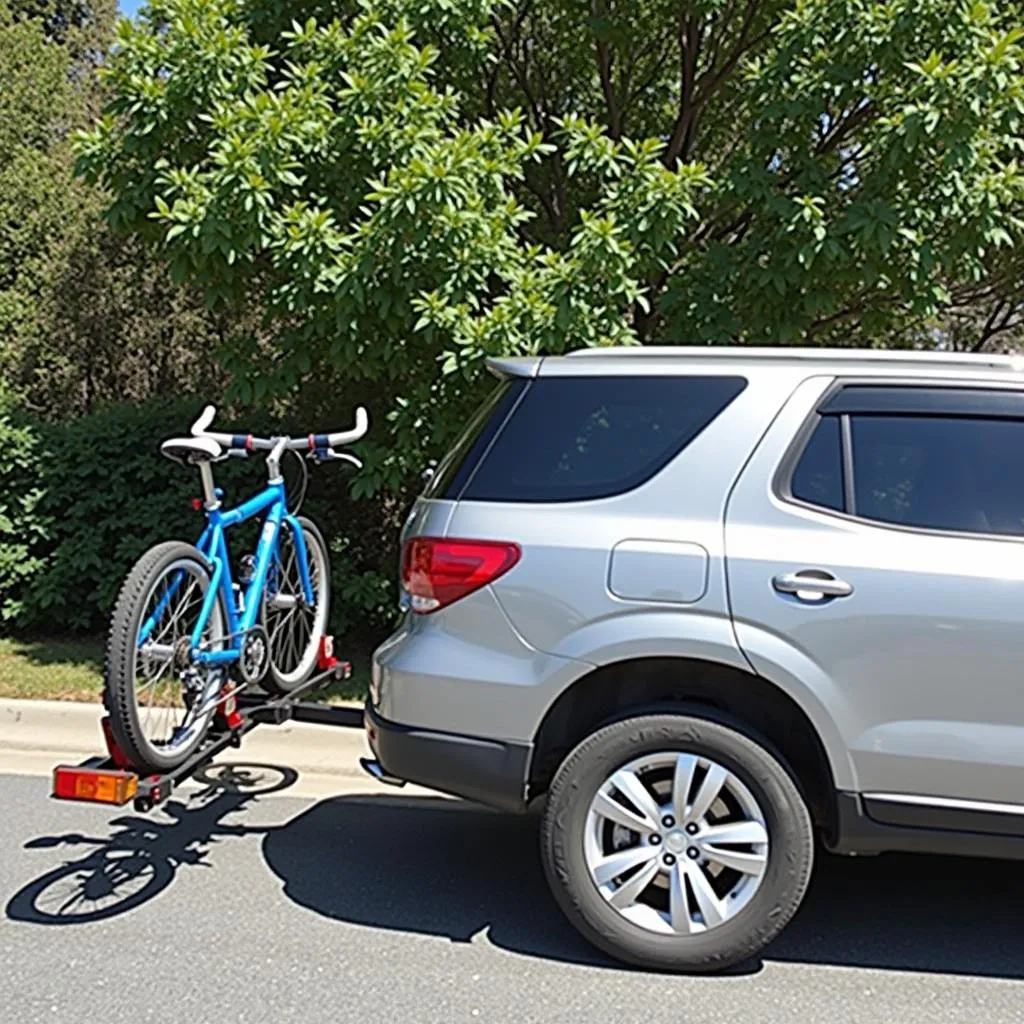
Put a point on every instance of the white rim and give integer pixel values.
(676, 843)
(291, 625)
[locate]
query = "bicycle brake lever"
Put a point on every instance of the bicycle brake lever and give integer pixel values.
(332, 456)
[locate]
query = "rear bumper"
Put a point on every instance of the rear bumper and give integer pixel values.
(492, 772)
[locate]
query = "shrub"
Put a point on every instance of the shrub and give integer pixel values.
(81, 501)
(23, 526)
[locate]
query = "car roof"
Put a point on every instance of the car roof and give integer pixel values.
(846, 362)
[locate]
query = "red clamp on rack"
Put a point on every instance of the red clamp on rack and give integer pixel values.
(229, 709)
(117, 755)
(326, 659)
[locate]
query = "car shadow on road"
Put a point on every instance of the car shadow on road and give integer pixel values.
(440, 867)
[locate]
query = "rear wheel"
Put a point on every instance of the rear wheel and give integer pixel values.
(295, 627)
(676, 843)
(153, 691)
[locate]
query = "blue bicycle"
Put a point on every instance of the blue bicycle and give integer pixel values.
(185, 637)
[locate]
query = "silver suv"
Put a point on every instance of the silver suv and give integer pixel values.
(709, 603)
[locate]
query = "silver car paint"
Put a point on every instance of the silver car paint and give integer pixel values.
(909, 681)
(919, 667)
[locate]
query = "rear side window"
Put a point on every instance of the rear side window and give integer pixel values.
(960, 473)
(581, 438)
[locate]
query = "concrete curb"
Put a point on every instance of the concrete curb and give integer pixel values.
(68, 731)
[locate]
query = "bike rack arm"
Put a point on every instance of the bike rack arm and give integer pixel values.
(108, 780)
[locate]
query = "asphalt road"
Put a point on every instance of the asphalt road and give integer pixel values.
(235, 907)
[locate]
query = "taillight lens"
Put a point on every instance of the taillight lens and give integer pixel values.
(437, 572)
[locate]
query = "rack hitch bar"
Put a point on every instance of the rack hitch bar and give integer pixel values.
(111, 780)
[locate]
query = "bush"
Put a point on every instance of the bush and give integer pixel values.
(105, 495)
(23, 527)
(81, 501)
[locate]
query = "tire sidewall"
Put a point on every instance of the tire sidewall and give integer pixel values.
(134, 738)
(273, 680)
(789, 829)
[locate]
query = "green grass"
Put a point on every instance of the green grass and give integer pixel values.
(72, 669)
(52, 669)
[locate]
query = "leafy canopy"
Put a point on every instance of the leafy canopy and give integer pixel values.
(401, 187)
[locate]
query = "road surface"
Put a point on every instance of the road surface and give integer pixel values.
(243, 907)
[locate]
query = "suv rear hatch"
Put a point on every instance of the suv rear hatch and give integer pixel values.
(552, 473)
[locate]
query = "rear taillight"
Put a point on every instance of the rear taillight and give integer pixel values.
(439, 571)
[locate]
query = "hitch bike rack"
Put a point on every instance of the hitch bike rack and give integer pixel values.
(111, 780)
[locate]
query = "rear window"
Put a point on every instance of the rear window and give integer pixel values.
(455, 468)
(581, 438)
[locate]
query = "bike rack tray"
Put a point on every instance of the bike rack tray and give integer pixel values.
(110, 779)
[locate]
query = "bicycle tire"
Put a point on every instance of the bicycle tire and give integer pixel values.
(282, 679)
(120, 695)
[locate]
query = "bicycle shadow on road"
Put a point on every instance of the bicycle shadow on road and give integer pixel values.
(138, 860)
(445, 868)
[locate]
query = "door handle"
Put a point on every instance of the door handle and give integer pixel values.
(812, 585)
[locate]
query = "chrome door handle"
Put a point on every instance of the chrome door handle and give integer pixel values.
(812, 585)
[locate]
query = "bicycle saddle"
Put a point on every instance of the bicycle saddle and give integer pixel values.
(191, 449)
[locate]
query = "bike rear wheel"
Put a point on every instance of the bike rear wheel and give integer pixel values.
(294, 627)
(154, 695)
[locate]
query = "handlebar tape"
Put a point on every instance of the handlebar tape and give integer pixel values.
(319, 445)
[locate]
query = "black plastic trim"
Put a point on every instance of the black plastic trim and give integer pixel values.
(857, 832)
(491, 772)
(952, 819)
(903, 400)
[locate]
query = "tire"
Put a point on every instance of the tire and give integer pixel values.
(121, 675)
(575, 836)
(290, 666)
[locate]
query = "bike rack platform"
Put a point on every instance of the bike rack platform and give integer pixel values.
(111, 780)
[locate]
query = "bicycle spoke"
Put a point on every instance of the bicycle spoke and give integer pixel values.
(293, 629)
(159, 688)
(182, 608)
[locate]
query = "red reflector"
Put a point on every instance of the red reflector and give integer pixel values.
(97, 785)
(196, 503)
(437, 572)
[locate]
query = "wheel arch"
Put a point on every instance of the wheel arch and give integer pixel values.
(747, 702)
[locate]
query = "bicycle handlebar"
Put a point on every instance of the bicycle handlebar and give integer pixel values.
(316, 443)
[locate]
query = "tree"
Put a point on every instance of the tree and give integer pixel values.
(36, 103)
(330, 183)
(403, 187)
(863, 155)
(82, 25)
(86, 316)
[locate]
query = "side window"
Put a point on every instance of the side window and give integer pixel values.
(934, 458)
(942, 473)
(582, 438)
(818, 477)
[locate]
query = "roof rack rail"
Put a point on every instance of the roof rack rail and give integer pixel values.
(1012, 361)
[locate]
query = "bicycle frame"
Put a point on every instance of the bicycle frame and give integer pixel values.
(213, 545)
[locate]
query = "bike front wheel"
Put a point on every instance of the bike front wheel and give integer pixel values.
(294, 626)
(157, 698)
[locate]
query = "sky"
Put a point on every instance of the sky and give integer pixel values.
(130, 6)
